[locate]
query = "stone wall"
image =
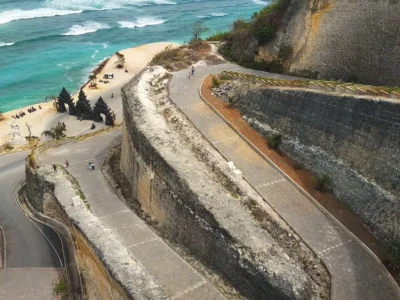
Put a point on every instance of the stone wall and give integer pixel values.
(183, 197)
(353, 139)
(343, 39)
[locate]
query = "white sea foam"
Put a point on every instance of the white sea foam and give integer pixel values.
(102, 4)
(219, 14)
(6, 44)
(87, 27)
(19, 14)
(260, 2)
(202, 17)
(105, 46)
(164, 2)
(141, 22)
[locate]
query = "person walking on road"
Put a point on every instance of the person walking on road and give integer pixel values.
(55, 168)
(66, 163)
(90, 166)
(192, 71)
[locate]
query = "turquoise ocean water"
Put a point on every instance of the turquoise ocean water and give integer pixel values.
(47, 44)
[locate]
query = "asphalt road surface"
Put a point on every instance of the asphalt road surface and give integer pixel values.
(28, 244)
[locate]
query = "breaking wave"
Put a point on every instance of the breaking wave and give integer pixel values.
(260, 2)
(141, 22)
(219, 14)
(19, 14)
(87, 27)
(6, 44)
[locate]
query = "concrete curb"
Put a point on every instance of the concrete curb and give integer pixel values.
(3, 248)
(65, 239)
(300, 189)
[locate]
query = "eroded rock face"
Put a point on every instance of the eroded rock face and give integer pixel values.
(341, 39)
(171, 182)
(353, 139)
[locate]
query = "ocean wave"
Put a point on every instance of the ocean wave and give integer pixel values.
(141, 22)
(105, 46)
(6, 44)
(259, 2)
(19, 14)
(87, 27)
(164, 2)
(219, 14)
(102, 4)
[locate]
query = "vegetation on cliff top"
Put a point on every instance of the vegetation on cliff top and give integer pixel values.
(245, 36)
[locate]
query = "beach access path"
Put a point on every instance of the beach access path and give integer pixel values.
(177, 278)
(355, 272)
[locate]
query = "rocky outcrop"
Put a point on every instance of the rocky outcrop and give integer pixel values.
(353, 139)
(354, 40)
(178, 181)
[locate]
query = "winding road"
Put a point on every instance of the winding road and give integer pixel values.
(29, 245)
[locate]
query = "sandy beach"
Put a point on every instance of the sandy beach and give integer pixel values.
(47, 117)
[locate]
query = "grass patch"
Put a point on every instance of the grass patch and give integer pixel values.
(323, 183)
(215, 81)
(61, 287)
(274, 141)
(220, 36)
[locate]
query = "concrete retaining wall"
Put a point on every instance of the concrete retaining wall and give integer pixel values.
(354, 140)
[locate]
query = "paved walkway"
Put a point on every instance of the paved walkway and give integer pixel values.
(355, 274)
(175, 276)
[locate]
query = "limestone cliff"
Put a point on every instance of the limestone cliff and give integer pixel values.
(350, 40)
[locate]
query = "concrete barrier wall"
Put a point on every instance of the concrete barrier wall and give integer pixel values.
(354, 140)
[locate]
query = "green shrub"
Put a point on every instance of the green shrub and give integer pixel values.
(264, 34)
(215, 82)
(220, 36)
(323, 183)
(274, 141)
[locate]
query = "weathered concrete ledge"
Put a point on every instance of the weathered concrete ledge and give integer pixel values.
(127, 278)
(182, 188)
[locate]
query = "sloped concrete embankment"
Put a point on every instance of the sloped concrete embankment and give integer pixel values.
(171, 182)
(352, 139)
(107, 270)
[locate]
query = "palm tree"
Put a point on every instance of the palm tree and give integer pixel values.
(56, 132)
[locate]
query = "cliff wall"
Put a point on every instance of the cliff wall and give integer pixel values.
(342, 39)
(174, 178)
(355, 140)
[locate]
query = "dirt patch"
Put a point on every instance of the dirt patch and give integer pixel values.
(295, 171)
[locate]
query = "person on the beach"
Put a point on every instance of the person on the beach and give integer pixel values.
(55, 168)
(66, 163)
(190, 73)
(192, 70)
